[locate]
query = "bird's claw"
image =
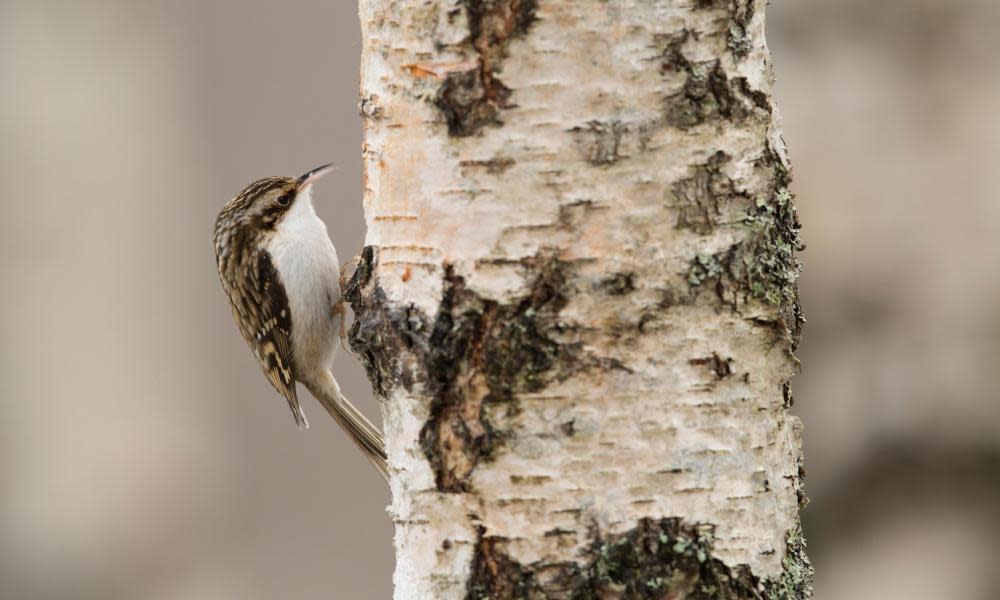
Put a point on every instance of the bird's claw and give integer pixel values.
(340, 310)
(341, 307)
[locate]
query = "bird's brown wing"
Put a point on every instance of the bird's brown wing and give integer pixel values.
(272, 339)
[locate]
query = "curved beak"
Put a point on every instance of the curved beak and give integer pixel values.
(310, 177)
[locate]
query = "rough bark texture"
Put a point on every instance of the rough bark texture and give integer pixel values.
(579, 304)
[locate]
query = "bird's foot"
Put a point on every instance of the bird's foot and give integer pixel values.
(340, 310)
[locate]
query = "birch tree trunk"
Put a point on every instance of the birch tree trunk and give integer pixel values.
(578, 301)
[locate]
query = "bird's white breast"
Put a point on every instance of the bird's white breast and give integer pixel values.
(307, 263)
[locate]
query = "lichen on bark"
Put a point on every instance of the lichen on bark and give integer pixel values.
(763, 264)
(658, 559)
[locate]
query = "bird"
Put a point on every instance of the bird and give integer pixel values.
(279, 270)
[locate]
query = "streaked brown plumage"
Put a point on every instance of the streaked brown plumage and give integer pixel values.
(254, 287)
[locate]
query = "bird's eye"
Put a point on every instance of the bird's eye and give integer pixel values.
(284, 200)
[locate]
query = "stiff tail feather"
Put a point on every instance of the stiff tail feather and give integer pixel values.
(300, 417)
(365, 436)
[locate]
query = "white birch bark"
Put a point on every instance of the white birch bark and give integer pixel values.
(579, 305)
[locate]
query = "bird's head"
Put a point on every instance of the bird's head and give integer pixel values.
(263, 203)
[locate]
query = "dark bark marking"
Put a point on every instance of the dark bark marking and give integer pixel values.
(494, 166)
(708, 94)
(720, 367)
(786, 393)
(495, 576)
(619, 284)
(486, 352)
(471, 100)
(385, 340)
(740, 13)
(599, 141)
(457, 434)
(466, 103)
(658, 559)
(573, 213)
(371, 108)
(701, 197)
(474, 352)
(671, 48)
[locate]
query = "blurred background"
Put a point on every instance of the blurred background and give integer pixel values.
(142, 455)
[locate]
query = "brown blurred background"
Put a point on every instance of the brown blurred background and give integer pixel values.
(142, 455)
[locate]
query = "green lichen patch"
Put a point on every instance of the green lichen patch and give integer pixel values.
(662, 559)
(800, 488)
(705, 267)
(658, 559)
(471, 100)
(763, 265)
(770, 267)
(796, 580)
(738, 39)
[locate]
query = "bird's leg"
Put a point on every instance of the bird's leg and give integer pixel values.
(343, 272)
(340, 309)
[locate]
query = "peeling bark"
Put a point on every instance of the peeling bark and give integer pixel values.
(578, 304)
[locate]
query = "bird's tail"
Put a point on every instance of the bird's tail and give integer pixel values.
(300, 417)
(365, 436)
